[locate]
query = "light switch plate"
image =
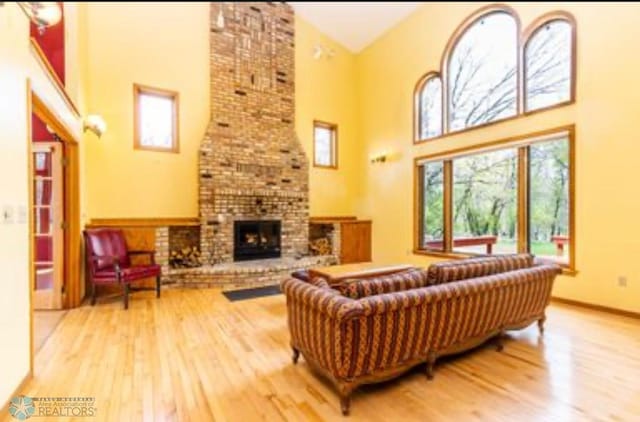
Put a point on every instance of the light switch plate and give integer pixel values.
(7, 214)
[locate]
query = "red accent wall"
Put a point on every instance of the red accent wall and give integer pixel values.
(52, 44)
(39, 132)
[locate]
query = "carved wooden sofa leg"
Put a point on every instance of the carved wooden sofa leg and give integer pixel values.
(345, 391)
(296, 355)
(499, 343)
(431, 361)
(541, 324)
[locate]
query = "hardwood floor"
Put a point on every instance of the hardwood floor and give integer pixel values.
(191, 355)
(44, 323)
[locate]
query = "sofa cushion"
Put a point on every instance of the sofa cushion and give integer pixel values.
(320, 282)
(358, 288)
(445, 272)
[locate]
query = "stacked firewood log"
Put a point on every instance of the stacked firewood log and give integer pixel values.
(320, 246)
(188, 257)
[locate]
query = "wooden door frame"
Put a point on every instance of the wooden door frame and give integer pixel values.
(74, 289)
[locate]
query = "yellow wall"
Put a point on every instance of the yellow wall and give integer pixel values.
(171, 50)
(606, 113)
(326, 90)
(165, 46)
(17, 64)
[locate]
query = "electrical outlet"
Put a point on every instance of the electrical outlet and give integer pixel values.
(7, 214)
(622, 281)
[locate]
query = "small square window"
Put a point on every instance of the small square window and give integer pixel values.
(325, 145)
(155, 119)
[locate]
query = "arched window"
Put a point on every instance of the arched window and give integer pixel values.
(548, 64)
(429, 99)
(488, 74)
(482, 72)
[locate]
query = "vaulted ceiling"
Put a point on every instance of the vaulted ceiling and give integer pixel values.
(354, 24)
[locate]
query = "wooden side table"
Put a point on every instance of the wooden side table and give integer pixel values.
(338, 273)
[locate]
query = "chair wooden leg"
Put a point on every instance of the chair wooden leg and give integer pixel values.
(541, 324)
(93, 294)
(126, 296)
(296, 355)
(158, 286)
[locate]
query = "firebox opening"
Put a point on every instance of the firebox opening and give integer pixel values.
(256, 240)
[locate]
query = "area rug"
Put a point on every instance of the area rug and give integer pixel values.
(256, 292)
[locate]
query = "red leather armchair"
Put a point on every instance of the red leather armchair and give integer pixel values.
(109, 262)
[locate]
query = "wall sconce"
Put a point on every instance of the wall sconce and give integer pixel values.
(42, 13)
(379, 159)
(96, 124)
(320, 51)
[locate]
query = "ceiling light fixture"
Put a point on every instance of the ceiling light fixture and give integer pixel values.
(320, 51)
(42, 13)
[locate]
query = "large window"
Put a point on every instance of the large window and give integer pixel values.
(155, 119)
(514, 197)
(482, 80)
(482, 71)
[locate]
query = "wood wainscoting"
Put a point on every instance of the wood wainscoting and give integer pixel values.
(355, 237)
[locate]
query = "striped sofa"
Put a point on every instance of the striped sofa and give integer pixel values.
(373, 330)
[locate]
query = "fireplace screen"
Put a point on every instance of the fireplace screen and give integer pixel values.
(256, 240)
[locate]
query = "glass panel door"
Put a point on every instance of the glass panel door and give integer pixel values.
(47, 225)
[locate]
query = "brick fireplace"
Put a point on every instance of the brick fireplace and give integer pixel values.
(252, 166)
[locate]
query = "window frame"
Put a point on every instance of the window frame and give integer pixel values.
(466, 25)
(138, 90)
(531, 32)
(333, 128)
(417, 109)
(522, 39)
(521, 143)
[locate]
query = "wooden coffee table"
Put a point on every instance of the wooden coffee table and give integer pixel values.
(338, 273)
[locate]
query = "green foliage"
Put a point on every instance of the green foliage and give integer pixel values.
(485, 195)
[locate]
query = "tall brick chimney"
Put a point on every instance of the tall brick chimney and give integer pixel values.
(252, 165)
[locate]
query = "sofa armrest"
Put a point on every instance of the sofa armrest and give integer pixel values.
(113, 260)
(320, 320)
(324, 300)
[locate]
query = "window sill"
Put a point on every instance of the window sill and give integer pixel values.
(566, 270)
